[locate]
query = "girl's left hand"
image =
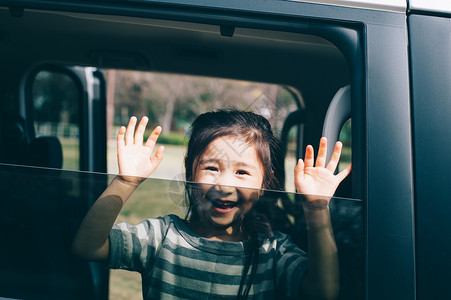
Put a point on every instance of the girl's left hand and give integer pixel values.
(319, 181)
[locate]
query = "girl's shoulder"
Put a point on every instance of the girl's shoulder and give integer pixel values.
(164, 221)
(158, 224)
(170, 219)
(169, 222)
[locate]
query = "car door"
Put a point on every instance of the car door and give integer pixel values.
(430, 59)
(316, 46)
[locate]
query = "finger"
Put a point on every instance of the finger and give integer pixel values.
(322, 153)
(299, 175)
(152, 140)
(299, 169)
(156, 159)
(130, 131)
(139, 136)
(342, 175)
(308, 157)
(120, 138)
(335, 158)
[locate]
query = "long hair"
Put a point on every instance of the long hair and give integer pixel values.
(251, 129)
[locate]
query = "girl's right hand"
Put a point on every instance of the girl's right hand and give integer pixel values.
(135, 159)
(316, 180)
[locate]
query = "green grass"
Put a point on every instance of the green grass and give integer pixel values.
(171, 138)
(152, 199)
(71, 156)
(125, 285)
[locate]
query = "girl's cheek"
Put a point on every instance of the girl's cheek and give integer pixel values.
(250, 195)
(206, 177)
(212, 178)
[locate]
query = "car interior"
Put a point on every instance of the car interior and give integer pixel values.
(44, 204)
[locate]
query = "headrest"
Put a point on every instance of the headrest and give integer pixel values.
(45, 151)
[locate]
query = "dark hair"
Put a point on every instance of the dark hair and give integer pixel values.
(251, 128)
(254, 130)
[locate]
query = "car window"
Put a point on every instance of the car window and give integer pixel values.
(288, 70)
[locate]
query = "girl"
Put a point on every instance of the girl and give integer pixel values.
(217, 252)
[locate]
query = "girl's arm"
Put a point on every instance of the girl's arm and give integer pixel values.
(318, 184)
(135, 165)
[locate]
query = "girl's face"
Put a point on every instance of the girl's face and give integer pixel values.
(230, 176)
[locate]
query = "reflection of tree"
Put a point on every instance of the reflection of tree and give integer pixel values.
(55, 98)
(170, 100)
(174, 101)
(130, 89)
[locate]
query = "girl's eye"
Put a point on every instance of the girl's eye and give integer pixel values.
(242, 172)
(211, 169)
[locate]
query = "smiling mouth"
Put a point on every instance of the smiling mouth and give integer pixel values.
(223, 204)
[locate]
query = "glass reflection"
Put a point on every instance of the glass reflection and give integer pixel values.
(35, 198)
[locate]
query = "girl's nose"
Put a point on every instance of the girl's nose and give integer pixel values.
(225, 183)
(225, 189)
(223, 192)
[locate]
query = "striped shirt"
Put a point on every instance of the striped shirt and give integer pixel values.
(175, 263)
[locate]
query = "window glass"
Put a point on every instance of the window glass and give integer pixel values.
(50, 205)
(56, 111)
(55, 200)
(275, 211)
